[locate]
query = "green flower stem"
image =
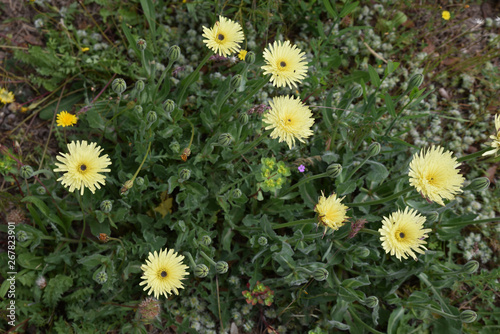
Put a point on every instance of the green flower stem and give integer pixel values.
(473, 155)
(143, 160)
(348, 177)
(245, 96)
(470, 222)
(304, 180)
(83, 215)
(368, 231)
(227, 187)
(357, 319)
(190, 259)
(230, 91)
(307, 271)
(190, 79)
(444, 305)
(294, 223)
(252, 145)
(144, 64)
(162, 77)
(73, 241)
(206, 257)
(382, 200)
(434, 310)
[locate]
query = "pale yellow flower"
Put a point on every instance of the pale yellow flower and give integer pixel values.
(163, 273)
(82, 166)
(64, 119)
(402, 234)
(331, 212)
(434, 173)
(286, 64)
(495, 144)
(445, 15)
(224, 37)
(290, 119)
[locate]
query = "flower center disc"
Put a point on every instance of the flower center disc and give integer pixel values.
(220, 37)
(83, 168)
(401, 235)
(163, 273)
(282, 64)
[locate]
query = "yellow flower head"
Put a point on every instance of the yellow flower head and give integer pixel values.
(495, 144)
(402, 234)
(64, 119)
(82, 166)
(332, 213)
(285, 63)
(224, 37)
(290, 119)
(446, 15)
(163, 273)
(85, 49)
(6, 96)
(242, 54)
(435, 174)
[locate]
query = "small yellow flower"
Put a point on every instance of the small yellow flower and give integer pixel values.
(446, 15)
(286, 64)
(85, 49)
(6, 96)
(224, 38)
(495, 144)
(332, 213)
(290, 119)
(64, 119)
(23, 109)
(82, 166)
(402, 234)
(242, 54)
(434, 174)
(163, 273)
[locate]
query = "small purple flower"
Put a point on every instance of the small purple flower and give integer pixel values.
(301, 168)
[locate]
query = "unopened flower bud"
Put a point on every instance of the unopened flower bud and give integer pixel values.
(243, 118)
(119, 85)
(225, 139)
(250, 57)
(468, 316)
(139, 86)
(374, 149)
(103, 237)
(356, 91)
(175, 146)
(221, 267)
(149, 309)
(139, 181)
(236, 193)
(22, 236)
(361, 252)
(185, 154)
(169, 106)
(479, 184)
(100, 277)
(126, 186)
(138, 109)
(26, 171)
(173, 53)
(184, 174)
(320, 274)
(41, 190)
(152, 117)
(470, 267)
(106, 206)
(415, 81)
(41, 282)
(334, 170)
(206, 240)
(432, 217)
(399, 19)
(201, 270)
(370, 302)
(236, 81)
(262, 241)
(141, 44)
